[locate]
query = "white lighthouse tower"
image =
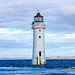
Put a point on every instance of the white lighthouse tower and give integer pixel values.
(38, 27)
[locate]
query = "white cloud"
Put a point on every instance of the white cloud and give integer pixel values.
(15, 22)
(60, 36)
(19, 13)
(13, 31)
(15, 38)
(60, 52)
(60, 42)
(15, 53)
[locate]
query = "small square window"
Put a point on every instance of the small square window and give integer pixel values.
(39, 30)
(39, 36)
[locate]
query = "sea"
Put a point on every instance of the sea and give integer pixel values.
(25, 67)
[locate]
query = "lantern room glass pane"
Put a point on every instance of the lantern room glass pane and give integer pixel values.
(35, 18)
(38, 19)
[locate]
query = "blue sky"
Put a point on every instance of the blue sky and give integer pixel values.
(16, 35)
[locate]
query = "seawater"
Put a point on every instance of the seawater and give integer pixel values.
(24, 67)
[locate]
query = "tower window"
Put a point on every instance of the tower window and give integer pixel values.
(39, 36)
(39, 53)
(39, 30)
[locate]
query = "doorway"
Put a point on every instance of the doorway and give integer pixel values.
(40, 57)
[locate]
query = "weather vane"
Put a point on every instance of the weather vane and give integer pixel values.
(38, 11)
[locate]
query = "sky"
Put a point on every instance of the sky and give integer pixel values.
(16, 33)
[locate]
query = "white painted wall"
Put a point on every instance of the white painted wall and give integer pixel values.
(38, 43)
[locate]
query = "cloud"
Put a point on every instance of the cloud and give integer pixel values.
(16, 17)
(15, 38)
(19, 14)
(60, 41)
(15, 53)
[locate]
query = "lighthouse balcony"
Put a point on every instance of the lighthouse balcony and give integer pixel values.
(38, 25)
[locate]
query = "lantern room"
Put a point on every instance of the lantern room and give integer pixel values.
(38, 18)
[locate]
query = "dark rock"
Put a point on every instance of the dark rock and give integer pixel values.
(73, 67)
(66, 67)
(49, 66)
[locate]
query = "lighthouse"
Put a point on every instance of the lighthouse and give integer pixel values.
(38, 26)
